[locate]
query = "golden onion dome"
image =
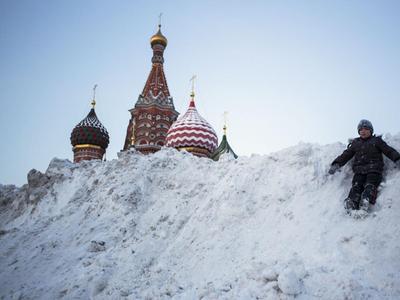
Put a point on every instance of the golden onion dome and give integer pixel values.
(158, 38)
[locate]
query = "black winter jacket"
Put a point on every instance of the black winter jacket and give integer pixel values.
(367, 155)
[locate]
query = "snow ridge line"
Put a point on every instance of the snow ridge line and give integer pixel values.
(256, 227)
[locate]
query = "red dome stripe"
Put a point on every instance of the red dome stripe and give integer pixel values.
(193, 136)
(192, 130)
(191, 143)
(189, 132)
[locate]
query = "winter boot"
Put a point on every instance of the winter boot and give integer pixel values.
(352, 202)
(368, 198)
(370, 193)
(364, 204)
(363, 212)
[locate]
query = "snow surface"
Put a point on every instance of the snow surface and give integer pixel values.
(171, 225)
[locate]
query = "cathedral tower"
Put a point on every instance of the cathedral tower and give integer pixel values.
(154, 111)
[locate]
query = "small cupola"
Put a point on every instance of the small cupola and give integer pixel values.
(89, 138)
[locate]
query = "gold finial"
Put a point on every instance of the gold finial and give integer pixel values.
(158, 38)
(94, 96)
(159, 20)
(225, 118)
(192, 80)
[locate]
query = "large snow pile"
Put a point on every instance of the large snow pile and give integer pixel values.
(170, 225)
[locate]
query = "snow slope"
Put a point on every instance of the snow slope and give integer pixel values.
(171, 225)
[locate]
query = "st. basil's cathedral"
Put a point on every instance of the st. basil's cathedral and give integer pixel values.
(154, 122)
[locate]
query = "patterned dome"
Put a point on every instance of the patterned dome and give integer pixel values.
(90, 131)
(192, 130)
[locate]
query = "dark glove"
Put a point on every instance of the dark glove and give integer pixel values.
(333, 169)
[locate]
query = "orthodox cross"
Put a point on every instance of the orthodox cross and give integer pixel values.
(225, 118)
(192, 80)
(94, 96)
(159, 19)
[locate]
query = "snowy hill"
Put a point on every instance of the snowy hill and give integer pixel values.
(171, 225)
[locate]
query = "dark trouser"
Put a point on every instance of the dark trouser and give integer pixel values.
(364, 186)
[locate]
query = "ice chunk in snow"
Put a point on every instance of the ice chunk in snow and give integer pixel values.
(289, 283)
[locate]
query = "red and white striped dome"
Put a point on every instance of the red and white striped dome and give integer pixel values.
(193, 133)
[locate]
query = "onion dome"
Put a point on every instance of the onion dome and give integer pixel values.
(224, 149)
(193, 133)
(158, 38)
(90, 131)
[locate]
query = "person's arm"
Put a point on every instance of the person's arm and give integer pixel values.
(388, 151)
(342, 159)
(347, 154)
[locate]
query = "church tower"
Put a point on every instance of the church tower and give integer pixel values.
(154, 111)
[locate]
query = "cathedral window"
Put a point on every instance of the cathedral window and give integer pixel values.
(162, 125)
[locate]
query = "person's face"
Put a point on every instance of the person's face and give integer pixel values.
(365, 133)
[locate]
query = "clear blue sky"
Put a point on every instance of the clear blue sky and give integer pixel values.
(287, 71)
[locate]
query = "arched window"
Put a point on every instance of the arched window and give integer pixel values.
(162, 125)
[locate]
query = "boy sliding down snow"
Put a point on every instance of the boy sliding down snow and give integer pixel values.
(367, 166)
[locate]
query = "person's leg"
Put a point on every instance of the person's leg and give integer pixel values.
(370, 192)
(353, 200)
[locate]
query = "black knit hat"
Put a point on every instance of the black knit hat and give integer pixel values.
(365, 124)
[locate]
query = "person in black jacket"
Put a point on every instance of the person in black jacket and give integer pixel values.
(367, 166)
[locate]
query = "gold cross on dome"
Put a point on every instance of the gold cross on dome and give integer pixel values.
(225, 119)
(159, 19)
(94, 96)
(192, 80)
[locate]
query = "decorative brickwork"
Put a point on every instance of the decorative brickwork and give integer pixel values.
(88, 152)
